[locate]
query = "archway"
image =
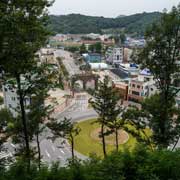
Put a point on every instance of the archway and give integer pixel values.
(85, 78)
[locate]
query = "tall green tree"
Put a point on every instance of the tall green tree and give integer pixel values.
(104, 99)
(36, 90)
(136, 123)
(65, 129)
(114, 122)
(22, 33)
(160, 55)
(40, 83)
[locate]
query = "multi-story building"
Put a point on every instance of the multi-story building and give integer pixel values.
(122, 88)
(115, 56)
(11, 99)
(141, 87)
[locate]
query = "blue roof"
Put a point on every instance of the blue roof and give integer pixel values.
(146, 72)
(133, 65)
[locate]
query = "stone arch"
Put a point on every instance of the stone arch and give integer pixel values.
(85, 78)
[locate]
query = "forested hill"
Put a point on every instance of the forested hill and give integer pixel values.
(77, 23)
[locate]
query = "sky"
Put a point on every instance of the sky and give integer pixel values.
(110, 8)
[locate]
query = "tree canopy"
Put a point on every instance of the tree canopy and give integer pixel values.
(80, 24)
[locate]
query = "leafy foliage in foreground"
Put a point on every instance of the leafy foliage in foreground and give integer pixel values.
(141, 164)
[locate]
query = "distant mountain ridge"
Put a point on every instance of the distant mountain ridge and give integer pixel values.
(82, 24)
(120, 16)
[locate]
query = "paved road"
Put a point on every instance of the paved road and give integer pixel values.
(52, 151)
(78, 115)
(56, 151)
(68, 61)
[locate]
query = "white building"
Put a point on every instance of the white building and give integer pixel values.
(141, 87)
(11, 99)
(98, 66)
(115, 56)
(130, 68)
(93, 36)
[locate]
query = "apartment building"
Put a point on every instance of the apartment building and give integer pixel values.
(141, 87)
(115, 56)
(11, 99)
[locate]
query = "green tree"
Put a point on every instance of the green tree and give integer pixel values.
(137, 119)
(137, 164)
(82, 49)
(160, 55)
(167, 132)
(65, 129)
(114, 122)
(22, 33)
(103, 100)
(39, 111)
(98, 47)
(122, 38)
(91, 48)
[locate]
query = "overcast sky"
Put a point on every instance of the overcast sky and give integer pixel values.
(110, 8)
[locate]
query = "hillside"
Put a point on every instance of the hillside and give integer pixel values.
(77, 23)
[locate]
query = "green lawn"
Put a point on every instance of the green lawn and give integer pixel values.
(87, 145)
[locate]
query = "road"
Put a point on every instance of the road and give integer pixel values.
(53, 151)
(68, 61)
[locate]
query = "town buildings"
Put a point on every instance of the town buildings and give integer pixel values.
(11, 98)
(115, 56)
(122, 88)
(141, 87)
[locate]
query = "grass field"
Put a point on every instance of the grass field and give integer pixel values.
(86, 145)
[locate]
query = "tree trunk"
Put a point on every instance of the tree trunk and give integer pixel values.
(72, 147)
(117, 143)
(24, 122)
(39, 150)
(103, 140)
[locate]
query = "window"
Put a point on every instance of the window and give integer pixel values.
(117, 57)
(13, 98)
(133, 85)
(135, 93)
(138, 86)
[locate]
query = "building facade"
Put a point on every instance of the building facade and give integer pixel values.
(115, 56)
(11, 99)
(122, 89)
(141, 87)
